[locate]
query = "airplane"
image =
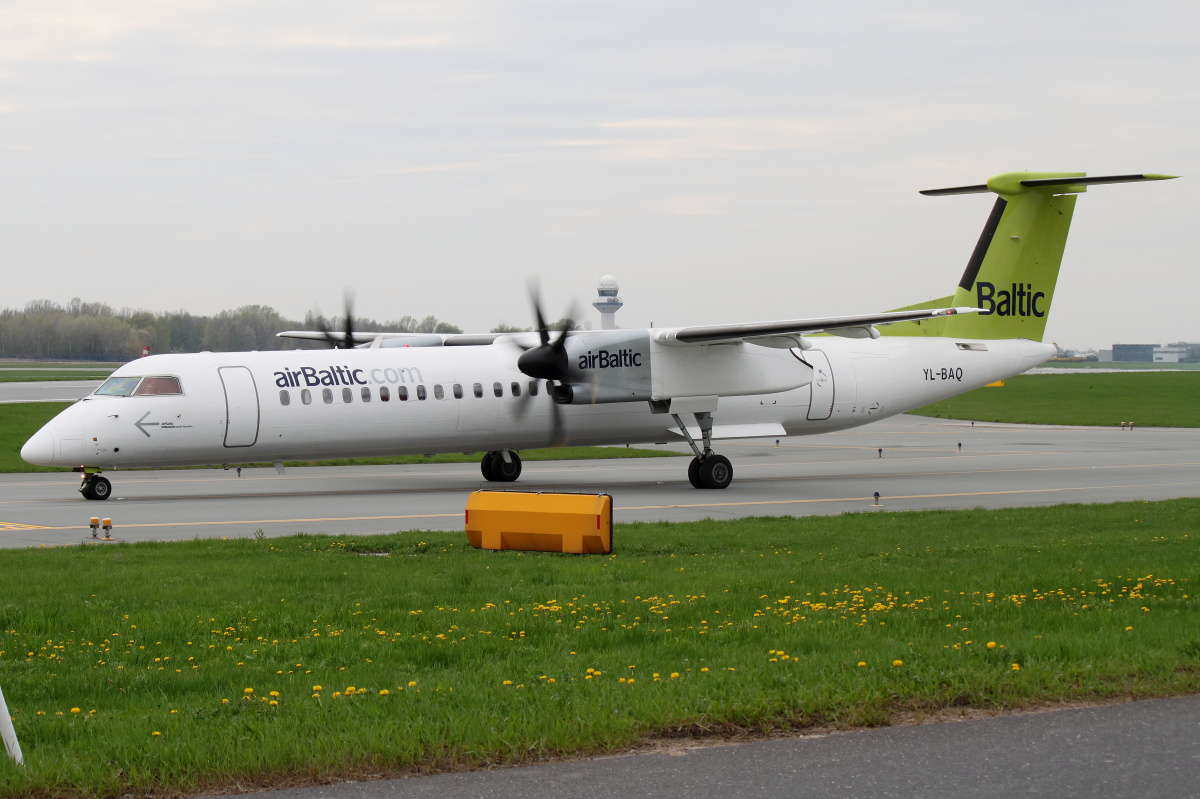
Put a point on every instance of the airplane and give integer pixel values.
(379, 394)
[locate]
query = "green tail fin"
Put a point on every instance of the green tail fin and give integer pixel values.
(1014, 267)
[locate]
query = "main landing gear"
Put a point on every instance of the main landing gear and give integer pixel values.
(95, 487)
(501, 466)
(707, 469)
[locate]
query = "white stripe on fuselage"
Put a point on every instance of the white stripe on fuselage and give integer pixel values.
(872, 379)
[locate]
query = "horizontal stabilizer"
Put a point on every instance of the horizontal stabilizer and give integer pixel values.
(1004, 184)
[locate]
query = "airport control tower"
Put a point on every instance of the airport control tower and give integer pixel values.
(609, 303)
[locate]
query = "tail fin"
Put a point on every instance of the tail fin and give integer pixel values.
(1014, 268)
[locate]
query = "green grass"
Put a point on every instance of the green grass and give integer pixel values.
(491, 658)
(19, 421)
(1159, 399)
(12, 371)
(32, 376)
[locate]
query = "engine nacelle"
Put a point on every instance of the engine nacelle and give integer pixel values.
(627, 366)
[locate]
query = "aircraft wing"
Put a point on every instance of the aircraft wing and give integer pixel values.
(779, 334)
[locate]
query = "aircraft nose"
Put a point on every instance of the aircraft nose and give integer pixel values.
(39, 449)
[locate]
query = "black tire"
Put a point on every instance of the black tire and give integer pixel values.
(694, 473)
(97, 487)
(506, 472)
(716, 472)
(485, 465)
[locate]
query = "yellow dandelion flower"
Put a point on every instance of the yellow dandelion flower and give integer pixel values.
(274, 703)
(552, 680)
(316, 696)
(991, 644)
(862, 663)
(336, 694)
(74, 710)
(1016, 667)
(509, 682)
(224, 701)
(1127, 629)
(413, 683)
(316, 687)
(704, 669)
(630, 681)
(674, 675)
(897, 662)
(350, 689)
(274, 693)
(384, 692)
(248, 691)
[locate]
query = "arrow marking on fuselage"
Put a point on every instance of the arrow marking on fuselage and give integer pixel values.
(142, 424)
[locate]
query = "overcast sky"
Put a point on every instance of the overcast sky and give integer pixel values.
(725, 161)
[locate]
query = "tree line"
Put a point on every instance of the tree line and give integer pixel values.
(91, 331)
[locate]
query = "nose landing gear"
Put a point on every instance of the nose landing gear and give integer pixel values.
(95, 487)
(707, 469)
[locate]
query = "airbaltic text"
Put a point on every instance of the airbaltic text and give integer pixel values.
(344, 376)
(609, 360)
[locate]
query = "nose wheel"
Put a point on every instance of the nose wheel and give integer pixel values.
(95, 487)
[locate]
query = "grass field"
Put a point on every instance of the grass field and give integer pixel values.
(1158, 399)
(19, 421)
(181, 667)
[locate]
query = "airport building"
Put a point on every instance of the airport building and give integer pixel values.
(1148, 353)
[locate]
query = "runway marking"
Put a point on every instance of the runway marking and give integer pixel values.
(908, 496)
(20, 526)
(255, 521)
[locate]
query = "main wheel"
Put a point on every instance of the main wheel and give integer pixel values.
(716, 472)
(485, 465)
(694, 473)
(503, 472)
(96, 487)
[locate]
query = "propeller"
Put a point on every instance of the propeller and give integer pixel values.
(333, 341)
(548, 361)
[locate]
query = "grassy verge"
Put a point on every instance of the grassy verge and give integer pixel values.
(19, 421)
(1159, 399)
(197, 665)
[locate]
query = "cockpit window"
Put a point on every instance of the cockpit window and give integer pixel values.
(118, 386)
(158, 385)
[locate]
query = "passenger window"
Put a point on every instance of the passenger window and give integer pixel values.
(285, 398)
(384, 394)
(478, 389)
(366, 394)
(421, 393)
(347, 395)
(327, 396)
(306, 396)
(458, 391)
(402, 393)
(516, 389)
(118, 386)
(498, 389)
(533, 388)
(158, 385)
(438, 393)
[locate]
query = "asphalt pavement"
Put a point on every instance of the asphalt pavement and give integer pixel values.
(1138, 749)
(921, 468)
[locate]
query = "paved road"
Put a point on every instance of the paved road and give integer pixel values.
(921, 468)
(48, 391)
(1142, 749)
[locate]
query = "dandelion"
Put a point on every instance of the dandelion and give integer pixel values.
(274, 703)
(74, 711)
(509, 682)
(384, 692)
(551, 680)
(248, 691)
(336, 694)
(350, 689)
(897, 662)
(316, 696)
(316, 687)
(1016, 667)
(156, 732)
(413, 683)
(224, 701)
(704, 669)
(1127, 629)
(862, 663)
(731, 668)
(275, 693)
(991, 644)
(674, 675)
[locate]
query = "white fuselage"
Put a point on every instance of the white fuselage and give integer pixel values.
(251, 406)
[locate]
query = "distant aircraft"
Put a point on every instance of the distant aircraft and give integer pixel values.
(500, 393)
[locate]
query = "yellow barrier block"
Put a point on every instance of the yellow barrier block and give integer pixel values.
(535, 522)
(997, 384)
